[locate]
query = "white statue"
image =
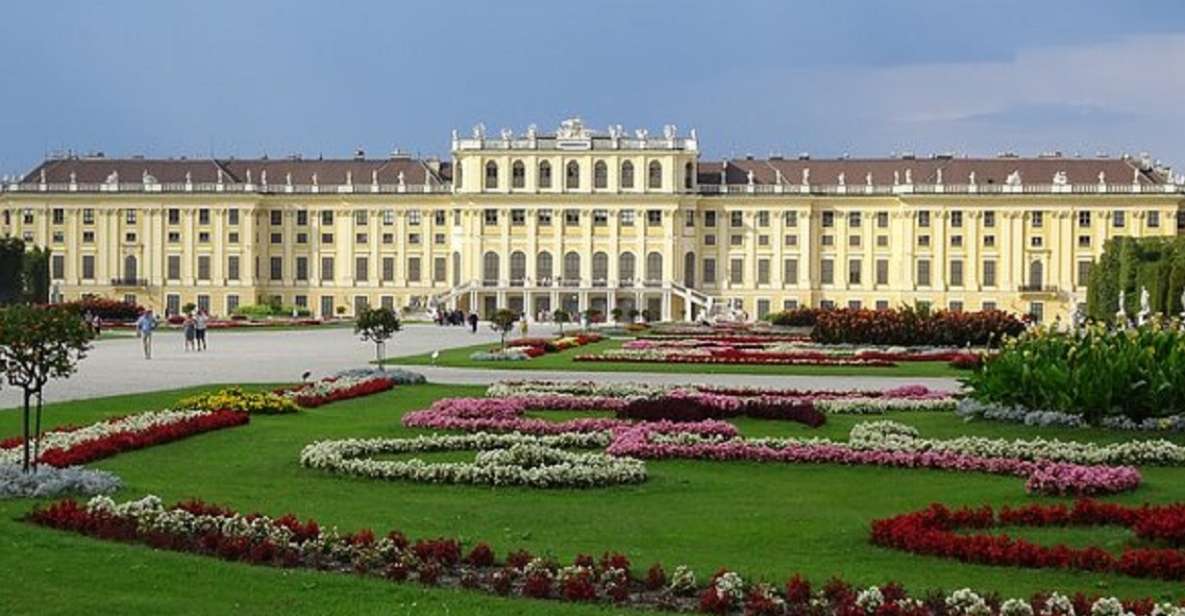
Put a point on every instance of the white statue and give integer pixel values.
(1013, 179)
(315, 179)
(288, 178)
(971, 178)
(399, 179)
(1102, 178)
(263, 177)
(842, 179)
(1121, 314)
(909, 176)
(220, 176)
(896, 178)
(455, 135)
(1183, 303)
(572, 128)
(778, 176)
(479, 131)
(113, 178)
(1077, 317)
(1136, 175)
(938, 172)
(349, 178)
(749, 176)
(147, 178)
(1145, 307)
(532, 131)
(669, 132)
(374, 176)
(1059, 178)
(507, 134)
(74, 177)
(868, 179)
(248, 176)
(806, 176)
(641, 134)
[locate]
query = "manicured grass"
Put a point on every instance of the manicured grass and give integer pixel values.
(764, 520)
(459, 358)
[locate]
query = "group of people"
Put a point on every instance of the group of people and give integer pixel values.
(456, 317)
(194, 326)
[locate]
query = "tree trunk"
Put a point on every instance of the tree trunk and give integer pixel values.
(37, 431)
(25, 433)
(378, 353)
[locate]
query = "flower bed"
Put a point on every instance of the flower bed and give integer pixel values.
(506, 415)
(199, 528)
(235, 398)
(729, 356)
(521, 349)
(503, 459)
(49, 481)
(681, 405)
(1044, 477)
(107, 438)
(335, 388)
(908, 326)
(934, 531)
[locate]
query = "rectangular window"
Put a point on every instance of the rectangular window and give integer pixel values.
(361, 269)
(710, 218)
(790, 219)
(204, 216)
(790, 271)
(129, 216)
(1036, 241)
(790, 304)
(736, 219)
(302, 268)
(276, 218)
(232, 303)
(203, 267)
(882, 304)
(736, 239)
(854, 219)
(439, 269)
(790, 240)
(827, 271)
(923, 219)
(828, 219)
(1084, 272)
(762, 308)
(233, 237)
(989, 219)
(204, 237)
(924, 241)
(956, 306)
(763, 271)
(854, 304)
(1119, 220)
(956, 272)
(1037, 311)
(388, 269)
(882, 271)
(1153, 220)
(709, 240)
(277, 238)
(654, 217)
(988, 306)
(387, 302)
(709, 271)
(627, 218)
(300, 301)
(326, 217)
(854, 271)
(388, 217)
(1037, 219)
(882, 241)
(302, 218)
(438, 239)
(363, 238)
(989, 241)
(232, 216)
(989, 273)
(956, 219)
(232, 267)
(88, 216)
(854, 241)
(413, 269)
(736, 271)
(600, 218)
(277, 268)
(326, 269)
(763, 218)
(544, 218)
(518, 217)
(1083, 219)
(326, 238)
(88, 267)
(956, 241)
(571, 218)
(414, 218)
(173, 268)
(923, 278)
(57, 267)
(1084, 241)
(388, 238)
(438, 217)
(882, 220)
(58, 216)
(689, 219)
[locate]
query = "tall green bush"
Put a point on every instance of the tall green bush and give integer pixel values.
(1132, 264)
(12, 270)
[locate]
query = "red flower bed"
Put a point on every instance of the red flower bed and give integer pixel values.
(107, 309)
(783, 359)
(934, 531)
(699, 408)
(534, 347)
(907, 326)
(120, 442)
(312, 398)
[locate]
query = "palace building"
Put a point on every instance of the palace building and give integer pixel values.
(580, 219)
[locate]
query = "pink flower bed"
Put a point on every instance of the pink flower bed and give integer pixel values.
(1043, 477)
(506, 415)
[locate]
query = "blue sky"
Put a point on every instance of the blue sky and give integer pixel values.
(825, 77)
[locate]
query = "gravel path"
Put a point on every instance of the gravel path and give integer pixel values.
(117, 366)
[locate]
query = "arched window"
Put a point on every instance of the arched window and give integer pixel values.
(654, 267)
(456, 269)
(518, 268)
(689, 270)
(544, 174)
(491, 174)
(489, 269)
(1036, 274)
(129, 269)
(600, 175)
(518, 175)
(572, 177)
(654, 175)
(600, 269)
(627, 174)
(689, 176)
(626, 268)
(572, 269)
(543, 271)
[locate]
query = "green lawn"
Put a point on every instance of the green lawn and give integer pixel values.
(459, 358)
(765, 520)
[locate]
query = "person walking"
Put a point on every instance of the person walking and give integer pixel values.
(473, 322)
(200, 323)
(144, 326)
(523, 317)
(190, 331)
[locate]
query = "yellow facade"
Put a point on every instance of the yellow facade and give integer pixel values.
(684, 237)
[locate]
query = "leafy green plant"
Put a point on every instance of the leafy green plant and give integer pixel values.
(503, 322)
(377, 325)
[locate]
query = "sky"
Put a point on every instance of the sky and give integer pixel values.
(827, 77)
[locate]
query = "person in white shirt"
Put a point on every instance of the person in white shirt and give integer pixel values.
(200, 323)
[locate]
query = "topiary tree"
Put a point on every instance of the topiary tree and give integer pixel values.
(36, 275)
(188, 307)
(12, 269)
(37, 344)
(633, 314)
(616, 313)
(503, 322)
(561, 316)
(377, 325)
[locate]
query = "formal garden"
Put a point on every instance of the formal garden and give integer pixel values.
(1052, 483)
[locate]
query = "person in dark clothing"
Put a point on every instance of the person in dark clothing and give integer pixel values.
(473, 322)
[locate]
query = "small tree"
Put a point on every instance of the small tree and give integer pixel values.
(617, 313)
(633, 314)
(561, 316)
(503, 322)
(377, 325)
(38, 344)
(188, 307)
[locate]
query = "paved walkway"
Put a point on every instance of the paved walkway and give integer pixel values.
(117, 366)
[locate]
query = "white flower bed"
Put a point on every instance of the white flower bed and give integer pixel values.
(880, 406)
(503, 459)
(132, 423)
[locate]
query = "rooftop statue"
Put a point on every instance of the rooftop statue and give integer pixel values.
(1013, 179)
(572, 128)
(1059, 178)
